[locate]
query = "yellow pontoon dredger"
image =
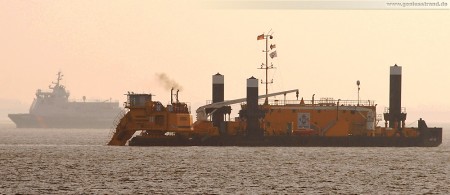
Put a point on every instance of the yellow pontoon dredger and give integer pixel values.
(322, 122)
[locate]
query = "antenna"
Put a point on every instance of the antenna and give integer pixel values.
(59, 78)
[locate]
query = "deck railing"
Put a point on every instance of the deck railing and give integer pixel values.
(319, 102)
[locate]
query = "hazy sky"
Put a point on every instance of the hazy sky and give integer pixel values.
(106, 48)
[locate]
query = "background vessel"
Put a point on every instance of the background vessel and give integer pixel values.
(54, 110)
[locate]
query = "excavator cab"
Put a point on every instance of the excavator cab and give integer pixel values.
(137, 100)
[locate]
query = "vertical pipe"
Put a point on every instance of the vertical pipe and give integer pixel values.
(395, 96)
(337, 110)
(171, 95)
(253, 129)
(217, 96)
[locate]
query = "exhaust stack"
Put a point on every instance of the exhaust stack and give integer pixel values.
(395, 115)
(217, 96)
(253, 113)
(171, 95)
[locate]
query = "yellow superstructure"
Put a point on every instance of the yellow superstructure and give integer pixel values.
(320, 119)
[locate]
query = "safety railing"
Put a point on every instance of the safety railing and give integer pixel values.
(320, 102)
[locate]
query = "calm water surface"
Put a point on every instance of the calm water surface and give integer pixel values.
(74, 161)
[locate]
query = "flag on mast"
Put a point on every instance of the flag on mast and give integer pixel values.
(260, 37)
(272, 46)
(273, 54)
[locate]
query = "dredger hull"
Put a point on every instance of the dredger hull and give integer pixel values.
(432, 138)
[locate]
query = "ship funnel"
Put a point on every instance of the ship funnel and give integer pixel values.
(253, 113)
(217, 96)
(394, 114)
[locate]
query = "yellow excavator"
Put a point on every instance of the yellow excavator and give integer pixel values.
(152, 118)
(157, 121)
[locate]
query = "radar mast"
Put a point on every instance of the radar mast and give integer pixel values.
(266, 66)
